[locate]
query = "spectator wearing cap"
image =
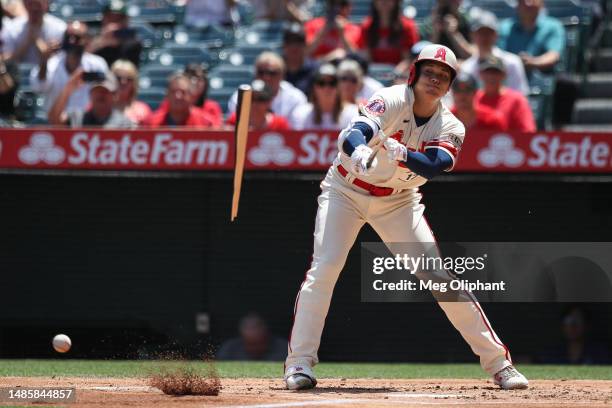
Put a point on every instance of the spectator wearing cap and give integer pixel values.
(270, 68)
(537, 38)
(332, 36)
(473, 116)
(116, 39)
(51, 75)
(512, 104)
(326, 109)
(125, 97)
(448, 25)
(27, 38)
(282, 10)
(386, 34)
(484, 37)
(299, 68)
(100, 111)
(179, 111)
(262, 117)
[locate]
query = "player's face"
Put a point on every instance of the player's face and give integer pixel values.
(434, 80)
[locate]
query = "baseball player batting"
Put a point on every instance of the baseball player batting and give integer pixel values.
(424, 139)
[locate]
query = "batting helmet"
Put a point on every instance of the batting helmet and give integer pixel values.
(434, 52)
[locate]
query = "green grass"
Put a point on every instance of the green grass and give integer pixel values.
(98, 368)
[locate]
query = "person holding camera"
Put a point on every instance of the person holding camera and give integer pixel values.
(100, 112)
(332, 36)
(51, 75)
(449, 25)
(116, 39)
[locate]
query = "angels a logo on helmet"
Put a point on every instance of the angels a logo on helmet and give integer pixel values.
(440, 54)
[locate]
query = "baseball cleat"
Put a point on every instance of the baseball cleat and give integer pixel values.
(300, 378)
(510, 379)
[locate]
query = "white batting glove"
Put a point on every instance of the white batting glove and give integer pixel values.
(395, 150)
(359, 160)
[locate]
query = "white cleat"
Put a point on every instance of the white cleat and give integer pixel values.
(300, 377)
(510, 379)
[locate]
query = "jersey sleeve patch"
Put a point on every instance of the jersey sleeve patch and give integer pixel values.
(376, 107)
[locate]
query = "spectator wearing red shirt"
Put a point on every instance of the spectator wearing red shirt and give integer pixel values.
(386, 34)
(510, 103)
(262, 117)
(179, 111)
(332, 36)
(473, 117)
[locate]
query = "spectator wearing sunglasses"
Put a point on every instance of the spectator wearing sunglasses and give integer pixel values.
(473, 116)
(262, 118)
(326, 109)
(350, 78)
(125, 97)
(270, 68)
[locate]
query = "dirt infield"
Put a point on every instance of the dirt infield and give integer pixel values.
(264, 393)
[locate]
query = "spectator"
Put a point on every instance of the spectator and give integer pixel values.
(270, 68)
(326, 109)
(8, 84)
(386, 34)
(484, 36)
(116, 39)
(125, 98)
(537, 38)
(473, 116)
(261, 117)
(255, 342)
(300, 69)
(332, 36)
(202, 13)
(283, 10)
(512, 104)
(101, 111)
(578, 347)
(350, 77)
(13, 8)
(370, 85)
(26, 38)
(448, 25)
(198, 73)
(179, 111)
(53, 73)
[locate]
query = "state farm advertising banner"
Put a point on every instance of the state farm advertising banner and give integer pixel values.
(169, 149)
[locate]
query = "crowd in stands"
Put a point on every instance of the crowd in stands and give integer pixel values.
(316, 79)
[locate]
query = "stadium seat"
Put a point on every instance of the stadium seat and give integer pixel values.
(213, 36)
(24, 74)
(178, 54)
(383, 73)
(246, 54)
(156, 76)
(158, 12)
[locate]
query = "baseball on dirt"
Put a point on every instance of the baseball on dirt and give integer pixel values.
(62, 343)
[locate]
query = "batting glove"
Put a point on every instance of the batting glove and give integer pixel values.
(359, 160)
(395, 150)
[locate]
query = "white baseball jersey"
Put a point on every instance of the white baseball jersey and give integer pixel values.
(390, 110)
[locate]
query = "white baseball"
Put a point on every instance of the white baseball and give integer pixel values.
(62, 343)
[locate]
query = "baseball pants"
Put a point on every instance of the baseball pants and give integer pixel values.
(343, 210)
